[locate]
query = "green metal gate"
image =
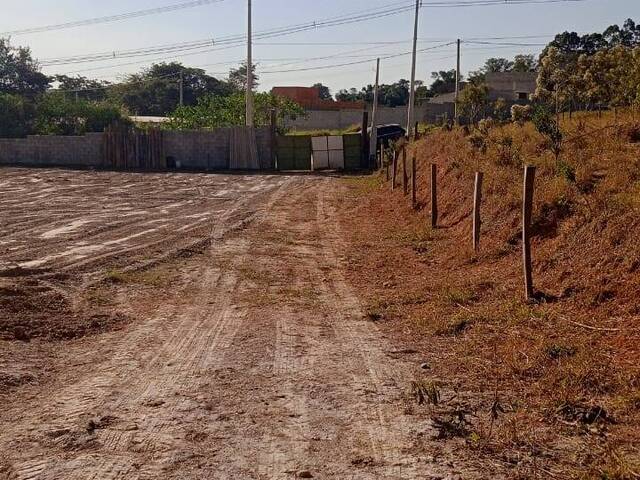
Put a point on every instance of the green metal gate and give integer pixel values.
(352, 151)
(294, 152)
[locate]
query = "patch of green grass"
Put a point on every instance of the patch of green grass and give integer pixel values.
(417, 239)
(458, 296)
(363, 185)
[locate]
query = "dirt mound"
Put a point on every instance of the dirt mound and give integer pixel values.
(35, 308)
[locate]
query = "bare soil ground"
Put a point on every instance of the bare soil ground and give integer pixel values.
(197, 326)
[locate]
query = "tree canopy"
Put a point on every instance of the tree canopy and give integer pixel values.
(19, 72)
(156, 90)
(214, 111)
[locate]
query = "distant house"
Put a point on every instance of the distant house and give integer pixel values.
(512, 86)
(443, 98)
(309, 99)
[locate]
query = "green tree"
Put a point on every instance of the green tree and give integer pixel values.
(16, 116)
(547, 126)
(443, 82)
(19, 72)
(497, 65)
(156, 90)
(325, 92)
(238, 77)
(473, 100)
(215, 111)
(524, 63)
(56, 114)
(82, 87)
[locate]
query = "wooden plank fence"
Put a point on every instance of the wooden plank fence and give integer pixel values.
(126, 147)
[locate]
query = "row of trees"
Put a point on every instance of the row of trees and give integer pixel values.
(34, 103)
(598, 70)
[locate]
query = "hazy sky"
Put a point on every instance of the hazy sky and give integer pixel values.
(437, 26)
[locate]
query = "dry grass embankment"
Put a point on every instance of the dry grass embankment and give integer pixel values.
(543, 390)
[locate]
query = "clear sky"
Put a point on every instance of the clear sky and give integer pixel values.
(437, 26)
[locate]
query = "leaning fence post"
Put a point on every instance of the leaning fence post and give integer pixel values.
(405, 179)
(477, 202)
(413, 181)
(434, 196)
(527, 209)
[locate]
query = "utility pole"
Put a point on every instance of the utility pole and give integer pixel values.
(181, 88)
(456, 114)
(249, 93)
(412, 92)
(374, 115)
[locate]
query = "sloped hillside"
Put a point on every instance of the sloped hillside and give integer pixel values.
(549, 389)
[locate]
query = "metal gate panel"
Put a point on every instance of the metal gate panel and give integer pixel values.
(294, 152)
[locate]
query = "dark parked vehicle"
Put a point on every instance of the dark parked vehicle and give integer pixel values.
(389, 133)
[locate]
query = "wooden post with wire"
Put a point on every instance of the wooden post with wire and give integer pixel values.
(414, 187)
(434, 195)
(273, 123)
(405, 175)
(527, 211)
(477, 202)
(395, 170)
(385, 161)
(364, 163)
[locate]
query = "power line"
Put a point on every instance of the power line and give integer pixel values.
(112, 18)
(234, 41)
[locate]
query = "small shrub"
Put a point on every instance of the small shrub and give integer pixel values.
(547, 126)
(478, 141)
(521, 114)
(507, 153)
(486, 124)
(425, 392)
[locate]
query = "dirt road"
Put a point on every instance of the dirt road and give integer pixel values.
(247, 357)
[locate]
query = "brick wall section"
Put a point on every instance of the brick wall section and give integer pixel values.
(52, 150)
(195, 150)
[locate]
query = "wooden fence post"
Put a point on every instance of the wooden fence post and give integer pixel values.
(413, 182)
(477, 202)
(527, 210)
(405, 175)
(365, 140)
(395, 170)
(434, 196)
(385, 163)
(416, 135)
(274, 138)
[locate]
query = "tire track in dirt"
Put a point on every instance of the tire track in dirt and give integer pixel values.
(189, 344)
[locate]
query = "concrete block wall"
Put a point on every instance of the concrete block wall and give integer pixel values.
(195, 150)
(198, 150)
(52, 150)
